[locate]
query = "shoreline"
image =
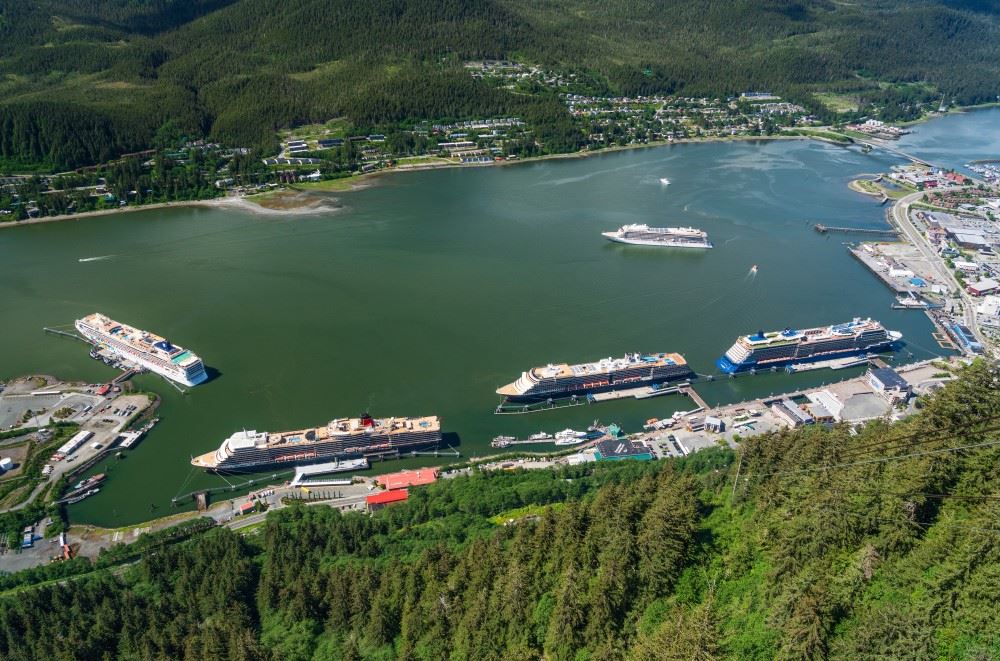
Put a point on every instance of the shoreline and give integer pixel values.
(359, 182)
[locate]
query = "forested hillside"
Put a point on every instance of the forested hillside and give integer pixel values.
(884, 545)
(81, 80)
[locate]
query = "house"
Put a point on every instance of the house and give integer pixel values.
(407, 478)
(966, 267)
(983, 287)
(714, 424)
(789, 412)
(377, 501)
(966, 338)
(886, 382)
(973, 240)
(828, 401)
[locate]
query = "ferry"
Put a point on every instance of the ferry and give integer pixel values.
(562, 380)
(343, 438)
(764, 350)
(671, 237)
(143, 348)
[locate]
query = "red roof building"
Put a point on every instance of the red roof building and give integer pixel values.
(408, 478)
(383, 498)
(246, 507)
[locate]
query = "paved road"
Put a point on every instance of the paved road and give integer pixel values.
(901, 216)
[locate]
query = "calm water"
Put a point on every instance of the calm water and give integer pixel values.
(429, 290)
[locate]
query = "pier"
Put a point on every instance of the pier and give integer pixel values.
(823, 229)
(72, 336)
(695, 397)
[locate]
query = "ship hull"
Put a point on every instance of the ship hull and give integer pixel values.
(555, 391)
(239, 469)
(611, 236)
(726, 366)
(270, 458)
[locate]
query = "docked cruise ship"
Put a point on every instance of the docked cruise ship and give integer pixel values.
(143, 348)
(562, 380)
(673, 237)
(343, 438)
(764, 350)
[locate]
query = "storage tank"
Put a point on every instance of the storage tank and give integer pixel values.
(6, 464)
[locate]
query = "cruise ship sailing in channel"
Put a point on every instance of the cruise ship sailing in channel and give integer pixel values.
(765, 350)
(143, 348)
(340, 439)
(562, 380)
(671, 237)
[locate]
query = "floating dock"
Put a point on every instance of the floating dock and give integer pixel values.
(302, 472)
(833, 364)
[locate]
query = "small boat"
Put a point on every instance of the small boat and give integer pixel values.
(82, 496)
(540, 436)
(502, 441)
(664, 181)
(89, 482)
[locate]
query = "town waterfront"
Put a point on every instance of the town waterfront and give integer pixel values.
(426, 292)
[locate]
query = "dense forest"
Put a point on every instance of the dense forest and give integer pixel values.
(809, 544)
(84, 80)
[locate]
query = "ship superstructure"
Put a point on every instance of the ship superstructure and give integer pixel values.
(562, 380)
(343, 438)
(764, 350)
(673, 237)
(143, 348)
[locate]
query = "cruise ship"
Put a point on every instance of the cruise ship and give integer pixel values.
(563, 380)
(673, 237)
(143, 348)
(343, 438)
(764, 350)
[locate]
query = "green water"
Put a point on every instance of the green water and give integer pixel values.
(425, 293)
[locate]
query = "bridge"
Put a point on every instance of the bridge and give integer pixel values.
(897, 152)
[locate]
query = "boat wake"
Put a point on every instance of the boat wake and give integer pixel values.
(95, 259)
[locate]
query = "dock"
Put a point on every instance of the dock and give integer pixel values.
(695, 397)
(642, 392)
(72, 336)
(823, 229)
(302, 472)
(834, 364)
(871, 264)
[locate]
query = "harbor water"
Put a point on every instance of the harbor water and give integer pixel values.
(425, 292)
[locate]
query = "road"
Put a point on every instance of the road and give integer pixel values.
(901, 216)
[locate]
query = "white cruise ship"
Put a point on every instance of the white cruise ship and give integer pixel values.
(143, 348)
(563, 380)
(672, 237)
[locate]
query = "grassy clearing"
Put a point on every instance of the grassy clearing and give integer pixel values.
(839, 103)
(330, 185)
(523, 512)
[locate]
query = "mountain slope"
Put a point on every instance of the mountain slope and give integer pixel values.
(880, 545)
(239, 69)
